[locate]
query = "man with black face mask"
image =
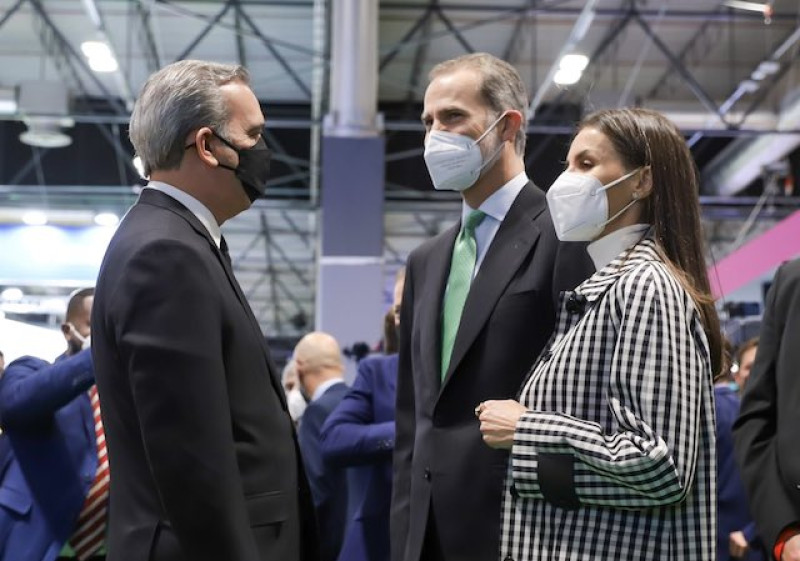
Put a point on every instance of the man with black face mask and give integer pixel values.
(206, 462)
(54, 490)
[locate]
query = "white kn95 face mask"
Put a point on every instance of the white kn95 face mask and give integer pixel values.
(455, 161)
(579, 206)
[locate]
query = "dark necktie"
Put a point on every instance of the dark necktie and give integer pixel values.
(223, 248)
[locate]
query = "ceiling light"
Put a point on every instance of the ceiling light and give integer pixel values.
(106, 219)
(99, 55)
(749, 6)
(96, 49)
(12, 294)
(103, 64)
(749, 86)
(8, 101)
(34, 218)
(45, 134)
(769, 67)
(573, 61)
(567, 76)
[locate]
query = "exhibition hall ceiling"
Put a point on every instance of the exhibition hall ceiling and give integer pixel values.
(728, 75)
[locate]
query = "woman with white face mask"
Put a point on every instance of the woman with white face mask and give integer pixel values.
(612, 440)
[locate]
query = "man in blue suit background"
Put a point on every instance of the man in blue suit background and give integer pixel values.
(360, 434)
(318, 361)
(50, 459)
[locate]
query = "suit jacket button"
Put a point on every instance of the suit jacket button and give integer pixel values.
(427, 474)
(546, 355)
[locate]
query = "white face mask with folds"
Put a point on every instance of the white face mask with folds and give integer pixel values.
(296, 403)
(85, 342)
(455, 161)
(579, 206)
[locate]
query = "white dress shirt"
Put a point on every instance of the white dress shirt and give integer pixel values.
(197, 208)
(495, 207)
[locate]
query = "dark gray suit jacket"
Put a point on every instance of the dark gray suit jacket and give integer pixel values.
(441, 464)
(766, 432)
(204, 460)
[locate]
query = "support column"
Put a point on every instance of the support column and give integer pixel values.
(350, 298)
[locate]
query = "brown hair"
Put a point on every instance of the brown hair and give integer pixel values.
(642, 137)
(744, 347)
(502, 87)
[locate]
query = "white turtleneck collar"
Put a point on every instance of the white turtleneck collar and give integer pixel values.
(605, 249)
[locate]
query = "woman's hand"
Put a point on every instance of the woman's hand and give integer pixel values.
(499, 421)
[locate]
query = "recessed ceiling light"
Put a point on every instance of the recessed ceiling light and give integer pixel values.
(34, 218)
(567, 76)
(574, 62)
(106, 219)
(11, 294)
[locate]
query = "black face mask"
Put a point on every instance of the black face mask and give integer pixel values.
(253, 168)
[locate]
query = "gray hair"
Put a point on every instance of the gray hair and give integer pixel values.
(502, 87)
(174, 101)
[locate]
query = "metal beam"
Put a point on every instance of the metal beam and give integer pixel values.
(146, 38)
(509, 51)
(168, 5)
(280, 150)
(10, 12)
(690, 47)
(607, 13)
(607, 41)
(240, 50)
(416, 68)
(395, 50)
(742, 88)
(690, 80)
(268, 43)
(202, 35)
(24, 170)
(453, 29)
(70, 56)
(270, 270)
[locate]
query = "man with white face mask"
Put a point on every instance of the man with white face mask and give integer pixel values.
(295, 401)
(477, 309)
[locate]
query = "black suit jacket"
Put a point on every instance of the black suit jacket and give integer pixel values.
(441, 464)
(204, 460)
(766, 432)
(328, 483)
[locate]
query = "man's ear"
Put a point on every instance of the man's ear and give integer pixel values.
(511, 124)
(201, 138)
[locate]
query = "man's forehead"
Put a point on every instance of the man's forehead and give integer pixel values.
(454, 88)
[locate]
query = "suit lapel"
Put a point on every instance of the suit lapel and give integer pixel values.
(157, 198)
(513, 242)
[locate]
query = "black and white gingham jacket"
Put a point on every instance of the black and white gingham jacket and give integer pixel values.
(615, 458)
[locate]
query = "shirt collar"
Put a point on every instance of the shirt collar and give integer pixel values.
(603, 250)
(498, 203)
(197, 208)
(323, 387)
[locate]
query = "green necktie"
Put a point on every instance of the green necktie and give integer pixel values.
(461, 267)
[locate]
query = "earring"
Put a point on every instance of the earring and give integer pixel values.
(635, 195)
